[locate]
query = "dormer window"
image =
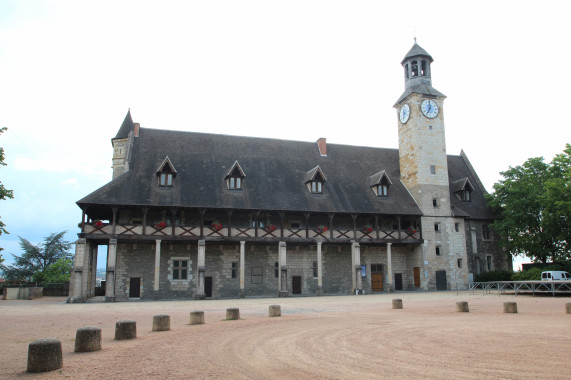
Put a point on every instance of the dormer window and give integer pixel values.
(314, 180)
(235, 177)
(316, 186)
(463, 189)
(166, 173)
(380, 184)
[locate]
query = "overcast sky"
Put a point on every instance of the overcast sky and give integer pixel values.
(300, 70)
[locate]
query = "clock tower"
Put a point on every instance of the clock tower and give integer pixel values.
(424, 171)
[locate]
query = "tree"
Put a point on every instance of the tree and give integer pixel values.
(4, 193)
(56, 273)
(36, 259)
(533, 202)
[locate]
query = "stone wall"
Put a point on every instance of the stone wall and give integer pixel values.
(136, 260)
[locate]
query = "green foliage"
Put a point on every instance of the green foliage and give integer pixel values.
(534, 202)
(4, 193)
(500, 275)
(55, 273)
(533, 274)
(37, 258)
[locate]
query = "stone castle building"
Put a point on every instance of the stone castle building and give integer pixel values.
(194, 215)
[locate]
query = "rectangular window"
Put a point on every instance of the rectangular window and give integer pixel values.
(180, 269)
(383, 191)
(432, 169)
(438, 251)
(457, 227)
(489, 262)
(235, 183)
(165, 179)
(486, 232)
(459, 263)
(234, 268)
(434, 202)
(316, 187)
(315, 269)
(436, 227)
(277, 269)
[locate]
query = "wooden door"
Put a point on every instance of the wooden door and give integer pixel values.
(135, 287)
(296, 284)
(441, 283)
(377, 282)
(416, 271)
(398, 281)
(208, 286)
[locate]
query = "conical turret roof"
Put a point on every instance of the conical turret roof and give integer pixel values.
(126, 127)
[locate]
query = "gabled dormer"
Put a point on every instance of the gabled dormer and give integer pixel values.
(380, 183)
(314, 180)
(463, 189)
(235, 177)
(166, 173)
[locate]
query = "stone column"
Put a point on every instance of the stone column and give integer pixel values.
(390, 286)
(201, 268)
(242, 268)
(110, 277)
(283, 270)
(319, 270)
(93, 271)
(356, 256)
(75, 293)
(156, 283)
(424, 274)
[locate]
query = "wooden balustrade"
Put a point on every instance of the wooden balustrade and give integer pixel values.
(249, 233)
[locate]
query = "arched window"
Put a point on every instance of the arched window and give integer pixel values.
(414, 69)
(423, 68)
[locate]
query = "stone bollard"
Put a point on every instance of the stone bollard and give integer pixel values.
(568, 307)
(88, 339)
(161, 322)
(125, 329)
(397, 303)
(275, 311)
(44, 355)
(197, 317)
(510, 307)
(462, 307)
(233, 313)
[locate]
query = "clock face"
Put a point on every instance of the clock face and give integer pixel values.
(404, 113)
(429, 108)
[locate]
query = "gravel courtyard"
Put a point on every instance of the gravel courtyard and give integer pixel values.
(316, 337)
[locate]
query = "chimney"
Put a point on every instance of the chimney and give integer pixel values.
(322, 145)
(136, 127)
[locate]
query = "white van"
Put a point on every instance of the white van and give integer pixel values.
(555, 275)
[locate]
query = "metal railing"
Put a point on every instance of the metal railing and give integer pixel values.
(515, 287)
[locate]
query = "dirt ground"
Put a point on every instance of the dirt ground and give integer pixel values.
(316, 337)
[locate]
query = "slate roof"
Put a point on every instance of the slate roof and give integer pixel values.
(277, 172)
(419, 89)
(416, 50)
(460, 171)
(126, 127)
